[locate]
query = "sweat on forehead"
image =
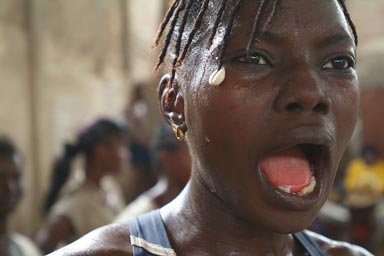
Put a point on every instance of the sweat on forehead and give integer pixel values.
(190, 21)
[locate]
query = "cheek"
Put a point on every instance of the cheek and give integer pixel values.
(224, 122)
(347, 108)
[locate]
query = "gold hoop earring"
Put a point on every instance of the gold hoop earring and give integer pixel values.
(217, 77)
(179, 133)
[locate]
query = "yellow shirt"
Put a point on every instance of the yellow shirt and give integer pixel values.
(360, 176)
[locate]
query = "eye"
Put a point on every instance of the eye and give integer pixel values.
(253, 58)
(340, 63)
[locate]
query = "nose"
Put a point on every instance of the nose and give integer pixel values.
(302, 91)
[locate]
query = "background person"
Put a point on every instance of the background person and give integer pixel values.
(364, 185)
(172, 161)
(11, 189)
(92, 203)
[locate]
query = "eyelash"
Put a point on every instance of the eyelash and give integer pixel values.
(258, 59)
(345, 61)
(253, 58)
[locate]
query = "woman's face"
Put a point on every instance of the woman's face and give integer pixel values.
(10, 184)
(291, 103)
(115, 153)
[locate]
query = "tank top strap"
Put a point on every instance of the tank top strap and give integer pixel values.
(148, 235)
(310, 246)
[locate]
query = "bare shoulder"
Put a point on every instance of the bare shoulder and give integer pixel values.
(338, 248)
(111, 240)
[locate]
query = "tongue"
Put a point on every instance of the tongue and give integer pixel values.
(287, 168)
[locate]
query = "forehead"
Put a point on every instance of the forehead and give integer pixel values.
(292, 19)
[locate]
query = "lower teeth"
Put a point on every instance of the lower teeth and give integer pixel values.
(305, 191)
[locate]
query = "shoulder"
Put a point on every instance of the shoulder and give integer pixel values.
(338, 248)
(76, 200)
(26, 245)
(111, 240)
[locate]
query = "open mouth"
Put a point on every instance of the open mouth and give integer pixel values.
(295, 169)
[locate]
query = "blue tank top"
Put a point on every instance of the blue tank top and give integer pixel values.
(149, 237)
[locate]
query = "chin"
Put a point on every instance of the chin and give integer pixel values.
(292, 225)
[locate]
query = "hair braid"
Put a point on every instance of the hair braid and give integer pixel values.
(173, 18)
(168, 39)
(349, 19)
(228, 33)
(272, 13)
(196, 26)
(165, 22)
(256, 24)
(217, 22)
(179, 38)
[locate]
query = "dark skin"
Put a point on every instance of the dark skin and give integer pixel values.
(10, 195)
(177, 170)
(104, 159)
(297, 86)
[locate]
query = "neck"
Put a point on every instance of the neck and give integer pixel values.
(3, 227)
(209, 222)
(93, 173)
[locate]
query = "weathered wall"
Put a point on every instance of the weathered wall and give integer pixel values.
(15, 100)
(61, 63)
(368, 16)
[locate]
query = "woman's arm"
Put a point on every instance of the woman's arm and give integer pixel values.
(111, 240)
(57, 229)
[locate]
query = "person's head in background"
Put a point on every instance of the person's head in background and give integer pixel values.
(102, 146)
(370, 154)
(10, 177)
(171, 157)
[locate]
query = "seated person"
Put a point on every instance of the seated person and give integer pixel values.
(365, 175)
(92, 203)
(172, 160)
(11, 244)
(364, 185)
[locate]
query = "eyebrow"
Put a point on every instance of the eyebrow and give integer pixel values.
(334, 39)
(269, 37)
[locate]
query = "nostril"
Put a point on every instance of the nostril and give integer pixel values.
(321, 108)
(293, 107)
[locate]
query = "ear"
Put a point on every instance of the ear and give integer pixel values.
(172, 102)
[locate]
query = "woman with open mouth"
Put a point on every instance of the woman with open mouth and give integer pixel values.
(266, 94)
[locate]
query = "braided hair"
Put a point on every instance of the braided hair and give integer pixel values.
(102, 131)
(7, 148)
(193, 12)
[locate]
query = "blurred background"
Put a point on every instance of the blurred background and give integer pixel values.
(65, 62)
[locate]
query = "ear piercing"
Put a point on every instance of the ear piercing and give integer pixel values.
(217, 77)
(178, 131)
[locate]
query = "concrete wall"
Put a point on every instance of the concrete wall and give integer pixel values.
(15, 100)
(368, 16)
(62, 63)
